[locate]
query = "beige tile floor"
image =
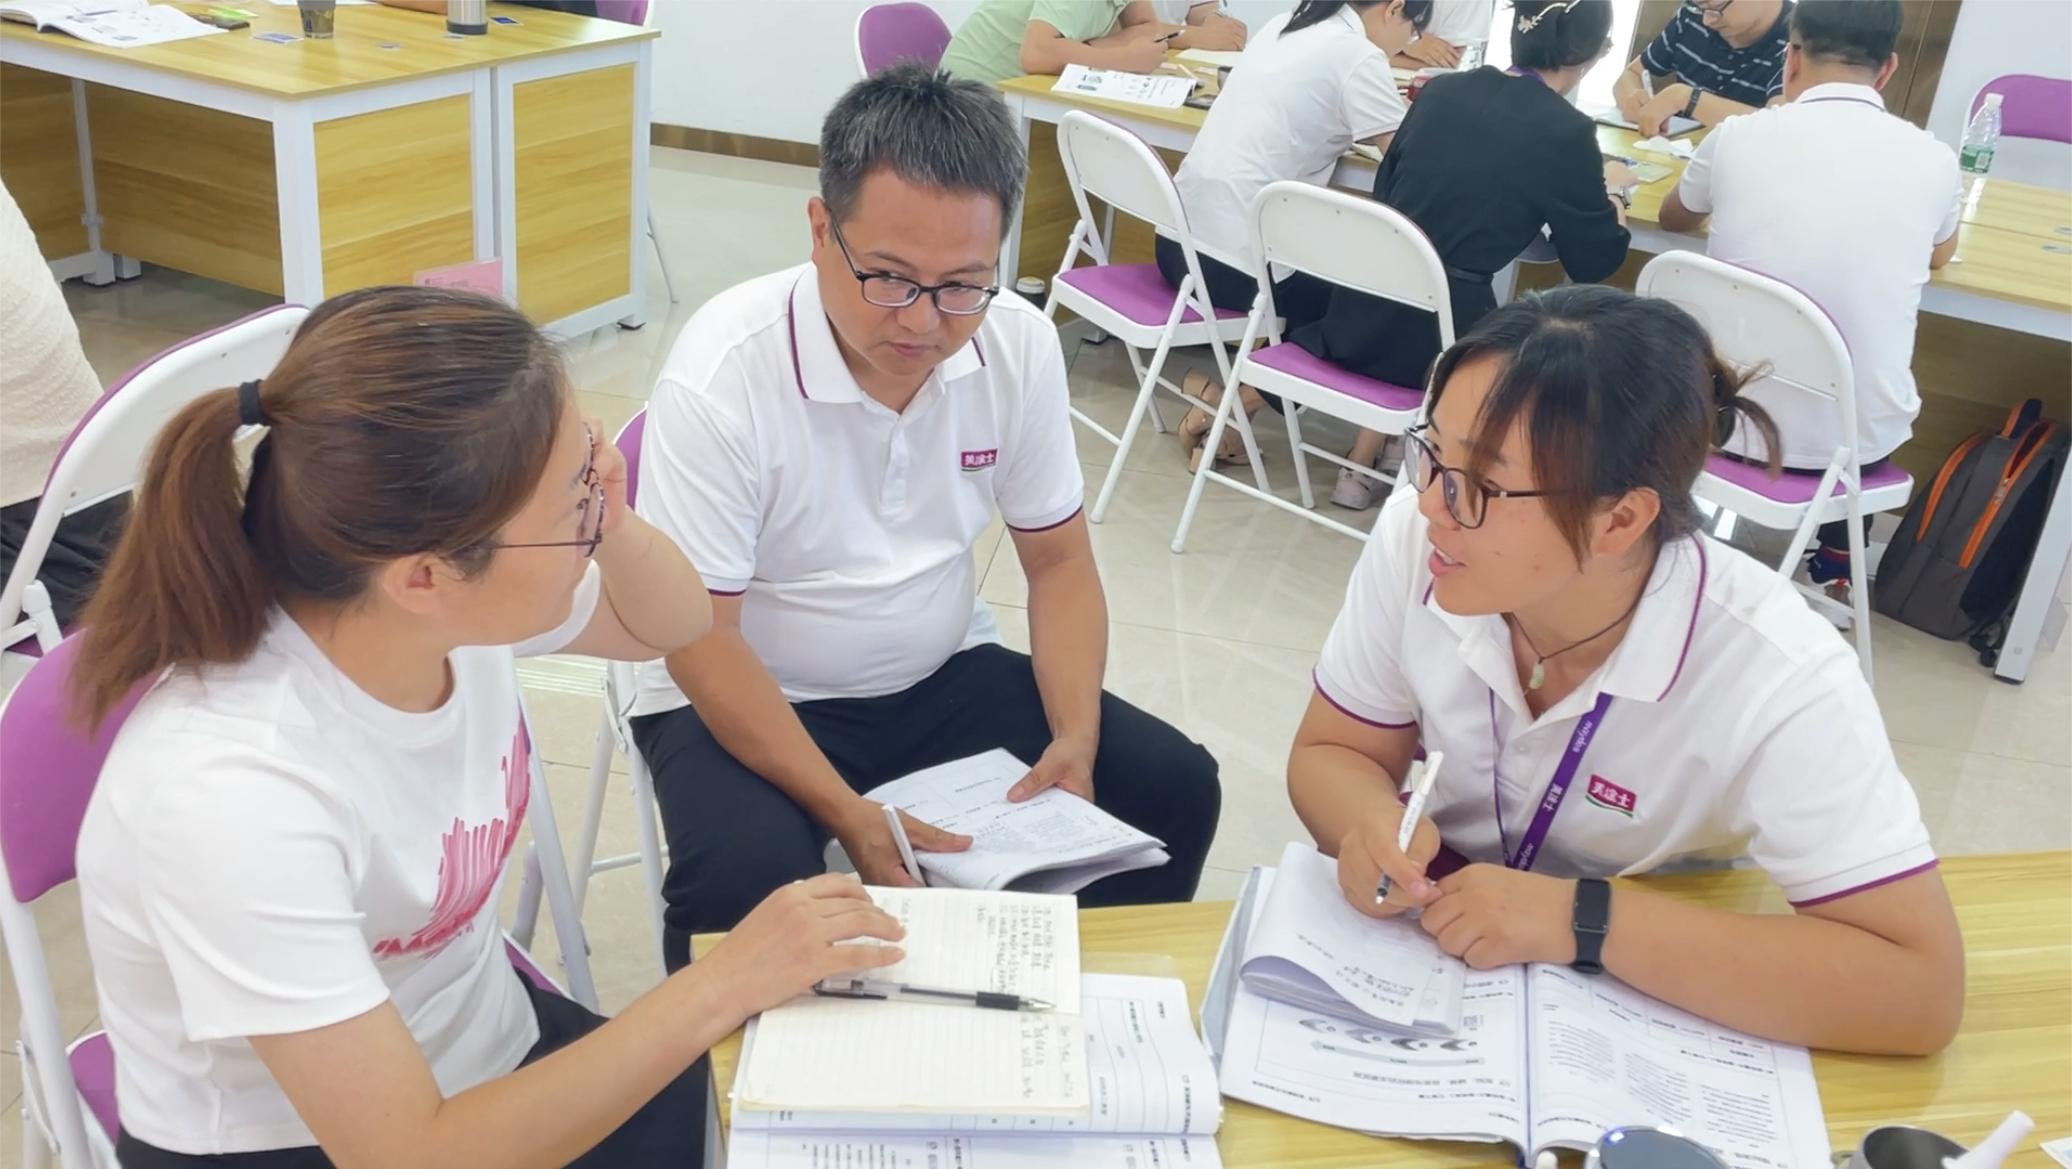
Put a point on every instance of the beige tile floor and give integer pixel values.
(1219, 640)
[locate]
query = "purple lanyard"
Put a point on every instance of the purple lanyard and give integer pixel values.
(1557, 788)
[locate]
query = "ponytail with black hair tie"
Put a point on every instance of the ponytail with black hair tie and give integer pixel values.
(249, 412)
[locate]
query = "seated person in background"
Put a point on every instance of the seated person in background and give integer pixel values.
(1615, 691)
(1310, 85)
(1533, 164)
(828, 442)
(1725, 57)
(46, 387)
(1203, 24)
(288, 872)
(1845, 202)
(1454, 39)
(1007, 38)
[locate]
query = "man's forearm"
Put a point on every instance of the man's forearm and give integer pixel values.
(1068, 638)
(747, 712)
(1795, 978)
(1712, 109)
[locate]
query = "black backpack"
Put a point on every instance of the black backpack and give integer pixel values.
(1956, 565)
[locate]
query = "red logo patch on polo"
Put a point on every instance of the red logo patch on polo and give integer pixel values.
(1606, 794)
(980, 460)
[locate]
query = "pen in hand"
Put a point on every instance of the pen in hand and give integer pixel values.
(1425, 774)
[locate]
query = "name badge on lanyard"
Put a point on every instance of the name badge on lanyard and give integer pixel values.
(1528, 849)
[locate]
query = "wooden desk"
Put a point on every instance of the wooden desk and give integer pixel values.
(2015, 1049)
(318, 166)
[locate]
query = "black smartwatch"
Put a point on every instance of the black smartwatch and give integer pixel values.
(1593, 920)
(1690, 109)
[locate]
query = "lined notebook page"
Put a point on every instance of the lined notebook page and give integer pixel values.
(849, 1055)
(971, 939)
(845, 1055)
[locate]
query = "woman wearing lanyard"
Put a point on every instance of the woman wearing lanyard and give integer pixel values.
(1615, 692)
(1484, 162)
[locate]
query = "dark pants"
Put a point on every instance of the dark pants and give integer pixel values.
(78, 551)
(667, 1133)
(734, 837)
(1299, 297)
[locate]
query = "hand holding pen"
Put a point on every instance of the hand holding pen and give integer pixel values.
(1382, 860)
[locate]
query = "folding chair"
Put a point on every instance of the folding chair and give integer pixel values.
(887, 34)
(1347, 240)
(105, 453)
(1757, 322)
(1132, 302)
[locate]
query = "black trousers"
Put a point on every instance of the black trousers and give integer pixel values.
(1298, 297)
(78, 551)
(667, 1133)
(734, 837)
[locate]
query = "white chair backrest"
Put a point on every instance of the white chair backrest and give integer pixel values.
(1353, 241)
(105, 454)
(1111, 164)
(1756, 322)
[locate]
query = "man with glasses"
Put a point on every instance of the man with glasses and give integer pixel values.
(828, 444)
(1715, 59)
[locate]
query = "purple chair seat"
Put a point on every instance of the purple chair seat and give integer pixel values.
(93, 1070)
(528, 970)
(1295, 361)
(1136, 291)
(1794, 486)
(887, 34)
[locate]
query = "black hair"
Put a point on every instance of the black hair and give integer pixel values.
(926, 128)
(1862, 33)
(1555, 34)
(1309, 12)
(1615, 392)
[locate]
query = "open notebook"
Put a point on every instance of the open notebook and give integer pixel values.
(1312, 950)
(118, 24)
(1053, 842)
(903, 1057)
(1546, 1058)
(1152, 1103)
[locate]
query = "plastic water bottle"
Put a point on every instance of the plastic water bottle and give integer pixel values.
(1979, 140)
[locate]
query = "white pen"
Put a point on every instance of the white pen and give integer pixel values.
(906, 847)
(1420, 790)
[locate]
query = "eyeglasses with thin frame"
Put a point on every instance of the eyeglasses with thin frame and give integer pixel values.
(589, 513)
(1707, 11)
(1466, 502)
(886, 290)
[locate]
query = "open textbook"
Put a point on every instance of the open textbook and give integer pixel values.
(1312, 950)
(118, 24)
(1152, 1104)
(1052, 842)
(899, 1056)
(1545, 1058)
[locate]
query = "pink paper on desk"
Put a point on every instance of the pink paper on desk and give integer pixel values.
(483, 276)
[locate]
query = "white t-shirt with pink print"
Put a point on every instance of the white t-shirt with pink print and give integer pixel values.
(271, 850)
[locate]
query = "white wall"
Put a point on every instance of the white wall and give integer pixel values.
(773, 67)
(1995, 37)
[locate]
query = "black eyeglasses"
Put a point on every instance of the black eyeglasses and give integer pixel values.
(888, 291)
(1706, 11)
(1466, 502)
(589, 513)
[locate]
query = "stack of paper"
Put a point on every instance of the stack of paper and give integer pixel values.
(1144, 89)
(118, 24)
(1053, 842)
(1311, 949)
(901, 1057)
(1152, 1101)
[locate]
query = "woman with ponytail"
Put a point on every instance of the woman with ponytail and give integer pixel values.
(289, 871)
(1485, 162)
(1614, 692)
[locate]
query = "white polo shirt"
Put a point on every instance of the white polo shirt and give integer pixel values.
(845, 528)
(1291, 106)
(1462, 22)
(1738, 723)
(1843, 201)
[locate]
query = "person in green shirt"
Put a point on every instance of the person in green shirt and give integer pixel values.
(1007, 38)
